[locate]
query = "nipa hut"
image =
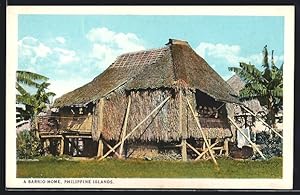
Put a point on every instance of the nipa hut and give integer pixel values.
(145, 104)
(248, 114)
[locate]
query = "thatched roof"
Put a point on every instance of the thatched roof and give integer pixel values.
(237, 84)
(157, 68)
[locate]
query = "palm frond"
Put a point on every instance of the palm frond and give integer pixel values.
(30, 78)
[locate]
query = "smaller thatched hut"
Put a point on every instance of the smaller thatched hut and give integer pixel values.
(145, 103)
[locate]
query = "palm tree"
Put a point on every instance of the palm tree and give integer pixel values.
(34, 103)
(29, 79)
(265, 85)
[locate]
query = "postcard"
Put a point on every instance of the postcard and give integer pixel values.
(150, 97)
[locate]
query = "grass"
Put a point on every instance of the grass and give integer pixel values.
(112, 168)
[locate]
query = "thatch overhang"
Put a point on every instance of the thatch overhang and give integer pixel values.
(238, 84)
(152, 69)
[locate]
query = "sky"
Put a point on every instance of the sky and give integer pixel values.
(73, 49)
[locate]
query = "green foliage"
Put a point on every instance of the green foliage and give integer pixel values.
(265, 85)
(34, 103)
(270, 145)
(28, 145)
(29, 78)
(112, 168)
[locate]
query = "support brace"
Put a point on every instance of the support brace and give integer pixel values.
(153, 111)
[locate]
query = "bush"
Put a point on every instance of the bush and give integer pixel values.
(270, 145)
(28, 145)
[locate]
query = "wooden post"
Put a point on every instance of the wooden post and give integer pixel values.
(183, 131)
(62, 146)
(125, 126)
(226, 147)
(253, 144)
(266, 124)
(151, 113)
(100, 148)
(203, 135)
(100, 127)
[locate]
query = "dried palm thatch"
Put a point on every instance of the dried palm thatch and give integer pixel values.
(237, 84)
(149, 77)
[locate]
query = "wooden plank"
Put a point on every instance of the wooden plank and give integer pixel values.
(183, 133)
(51, 136)
(136, 127)
(125, 126)
(253, 144)
(79, 136)
(100, 148)
(266, 124)
(203, 135)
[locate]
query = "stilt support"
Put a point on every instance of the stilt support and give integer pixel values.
(100, 148)
(202, 133)
(252, 144)
(134, 129)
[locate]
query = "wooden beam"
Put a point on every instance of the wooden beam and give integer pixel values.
(79, 136)
(253, 144)
(266, 124)
(100, 148)
(151, 113)
(183, 132)
(203, 135)
(51, 136)
(125, 126)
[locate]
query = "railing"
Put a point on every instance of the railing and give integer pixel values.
(55, 124)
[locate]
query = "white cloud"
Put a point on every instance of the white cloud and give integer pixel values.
(42, 50)
(229, 54)
(66, 56)
(107, 45)
(31, 47)
(60, 40)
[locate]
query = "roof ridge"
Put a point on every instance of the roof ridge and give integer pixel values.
(141, 51)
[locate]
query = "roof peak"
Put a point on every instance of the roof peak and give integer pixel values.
(177, 42)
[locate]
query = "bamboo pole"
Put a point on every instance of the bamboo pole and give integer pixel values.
(100, 148)
(226, 147)
(205, 151)
(194, 149)
(203, 135)
(109, 146)
(151, 113)
(266, 124)
(125, 126)
(183, 132)
(62, 146)
(253, 144)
